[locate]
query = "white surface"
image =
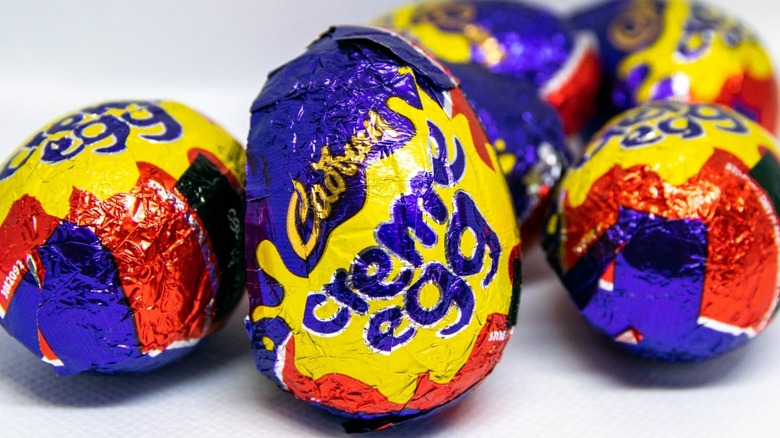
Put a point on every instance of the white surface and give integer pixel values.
(556, 378)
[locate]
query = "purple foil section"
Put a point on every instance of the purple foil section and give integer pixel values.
(535, 43)
(531, 130)
(664, 89)
(659, 267)
(80, 308)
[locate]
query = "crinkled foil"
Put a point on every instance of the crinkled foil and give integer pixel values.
(383, 268)
(666, 233)
(511, 39)
(528, 136)
(123, 236)
(681, 50)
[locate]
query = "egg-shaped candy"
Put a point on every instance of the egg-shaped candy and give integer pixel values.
(513, 39)
(122, 236)
(666, 233)
(382, 248)
(681, 50)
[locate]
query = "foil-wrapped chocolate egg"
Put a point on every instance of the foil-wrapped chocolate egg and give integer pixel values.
(666, 233)
(513, 39)
(681, 50)
(528, 137)
(122, 236)
(382, 249)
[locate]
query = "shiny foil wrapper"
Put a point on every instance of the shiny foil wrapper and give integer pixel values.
(512, 39)
(122, 235)
(666, 232)
(528, 136)
(680, 50)
(383, 268)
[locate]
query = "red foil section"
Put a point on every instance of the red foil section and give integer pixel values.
(48, 354)
(515, 256)
(151, 239)
(758, 95)
(25, 228)
(347, 394)
(461, 106)
(740, 286)
(575, 99)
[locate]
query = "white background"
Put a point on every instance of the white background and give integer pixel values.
(556, 379)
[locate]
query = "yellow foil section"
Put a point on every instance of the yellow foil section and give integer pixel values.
(447, 46)
(704, 76)
(395, 374)
(105, 175)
